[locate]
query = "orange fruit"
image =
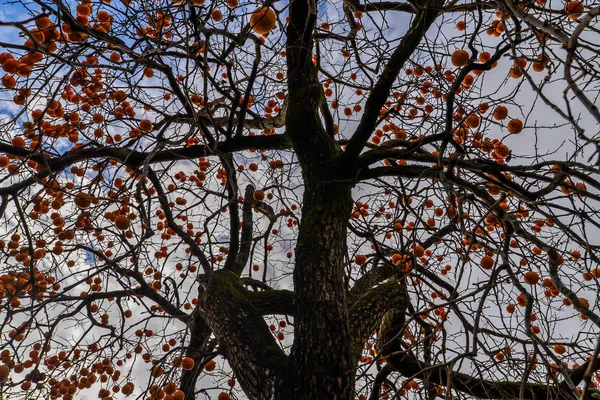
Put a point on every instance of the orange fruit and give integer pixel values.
(559, 349)
(4, 162)
(419, 251)
(188, 363)
(500, 113)
(263, 20)
(18, 142)
(83, 10)
(486, 262)
(209, 366)
(223, 396)
(531, 278)
(122, 222)
(127, 389)
(259, 195)
(98, 118)
(146, 125)
(11, 66)
(472, 120)
(216, 15)
(170, 388)
(103, 16)
(83, 200)
(460, 58)
(360, 259)
(574, 9)
(4, 373)
(9, 82)
(178, 395)
(584, 302)
(515, 126)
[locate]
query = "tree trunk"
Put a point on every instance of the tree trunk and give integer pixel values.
(321, 364)
(243, 335)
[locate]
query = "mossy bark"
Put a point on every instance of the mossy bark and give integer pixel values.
(250, 348)
(320, 364)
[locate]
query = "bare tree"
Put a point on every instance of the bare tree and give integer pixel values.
(303, 200)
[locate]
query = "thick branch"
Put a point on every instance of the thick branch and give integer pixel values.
(381, 90)
(243, 335)
(367, 312)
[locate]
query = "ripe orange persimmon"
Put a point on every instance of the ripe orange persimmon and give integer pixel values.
(4, 373)
(43, 23)
(4, 161)
(127, 389)
(146, 125)
(559, 349)
(472, 120)
(9, 82)
(103, 16)
(538, 66)
(259, 195)
(122, 222)
(83, 200)
(18, 142)
(419, 251)
(187, 363)
(170, 388)
(515, 126)
(178, 395)
(460, 58)
(223, 396)
(360, 259)
(531, 277)
(574, 9)
(584, 303)
(486, 262)
(216, 15)
(263, 20)
(500, 113)
(83, 10)
(11, 65)
(209, 366)
(98, 118)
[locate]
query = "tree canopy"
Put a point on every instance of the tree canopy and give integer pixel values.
(299, 199)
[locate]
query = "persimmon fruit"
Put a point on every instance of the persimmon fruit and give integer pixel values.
(460, 58)
(263, 20)
(208, 367)
(515, 126)
(360, 259)
(574, 9)
(122, 222)
(4, 373)
(83, 200)
(486, 262)
(531, 277)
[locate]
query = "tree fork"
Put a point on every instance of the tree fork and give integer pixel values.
(244, 338)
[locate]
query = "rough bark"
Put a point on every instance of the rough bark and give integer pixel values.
(321, 364)
(199, 334)
(368, 311)
(243, 336)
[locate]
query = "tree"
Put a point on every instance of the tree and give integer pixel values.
(304, 200)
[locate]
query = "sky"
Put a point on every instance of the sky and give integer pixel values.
(544, 131)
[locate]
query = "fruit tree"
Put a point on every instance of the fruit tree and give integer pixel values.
(335, 199)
